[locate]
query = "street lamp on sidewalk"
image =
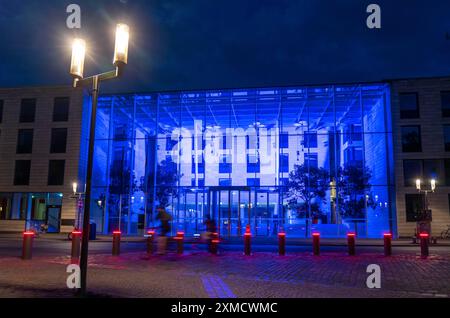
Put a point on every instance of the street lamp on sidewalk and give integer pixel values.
(424, 219)
(120, 59)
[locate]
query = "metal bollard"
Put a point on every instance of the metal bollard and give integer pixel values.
(351, 243)
(387, 244)
(282, 243)
(214, 243)
(27, 245)
(150, 241)
(180, 242)
(116, 243)
(316, 243)
(76, 240)
(247, 241)
(424, 245)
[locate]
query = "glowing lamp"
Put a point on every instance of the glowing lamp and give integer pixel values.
(78, 54)
(74, 187)
(433, 184)
(121, 47)
(418, 184)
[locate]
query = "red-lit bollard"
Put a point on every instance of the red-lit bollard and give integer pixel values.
(387, 244)
(214, 243)
(180, 242)
(424, 244)
(150, 241)
(351, 243)
(27, 246)
(247, 241)
(116, 243)
(76, 240)
(282, 243)
(316, 243)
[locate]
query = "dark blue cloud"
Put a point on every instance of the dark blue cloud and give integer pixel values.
(180, 44)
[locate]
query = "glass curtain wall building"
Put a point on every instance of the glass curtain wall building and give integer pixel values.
(298, 159)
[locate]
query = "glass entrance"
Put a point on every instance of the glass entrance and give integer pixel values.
(233, 208)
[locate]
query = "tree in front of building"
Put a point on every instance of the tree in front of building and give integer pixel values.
(307, 189)
(353, 189)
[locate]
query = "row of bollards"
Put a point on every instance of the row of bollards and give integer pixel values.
(28, 237)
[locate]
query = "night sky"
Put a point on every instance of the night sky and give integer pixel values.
(201, 44)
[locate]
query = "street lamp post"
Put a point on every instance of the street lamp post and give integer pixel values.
(76, 70)
(79, 200)
(425, 217)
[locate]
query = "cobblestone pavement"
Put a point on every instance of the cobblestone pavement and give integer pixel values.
(198, 274)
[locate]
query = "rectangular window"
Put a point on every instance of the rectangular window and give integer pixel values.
(253, 182)
(24, 141)
(432, 169)
(409, 105)
(1, 111)
(58, 140)
(284, 140)
(311, 160)
(414, 206)
(225, 165)
(27, 110)
(253, 164)
(61, 109)
(412, 170)
(22, 172)
(445, 104)
(411, 139)
(225, 182)
(310, 139)
(56, 172)
(284, 162)
(447, 137)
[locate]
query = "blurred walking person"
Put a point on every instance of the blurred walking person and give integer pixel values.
(164, 230)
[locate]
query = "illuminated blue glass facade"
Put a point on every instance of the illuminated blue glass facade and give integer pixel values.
(301, 159)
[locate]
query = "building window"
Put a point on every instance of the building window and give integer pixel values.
(445, 104)
(447, 137)
(253, 165)
(310, 139)
(253, 182)
(447, 171)
(411, 140)
(24, 141)
(56, 172)
(225, 182)
(412, 170)
(409, 105)
(432, 169)
(22, 172)
(61, 109)
(414, 206)
(225, 164)
(284, 140)
(311, 160)
(27, 110)
(58, 140)
(1, 111)
(284, 162)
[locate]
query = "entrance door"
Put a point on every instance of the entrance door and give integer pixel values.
(230, 207)
(53, 218)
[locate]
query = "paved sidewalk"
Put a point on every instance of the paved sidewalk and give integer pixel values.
(198, 274)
